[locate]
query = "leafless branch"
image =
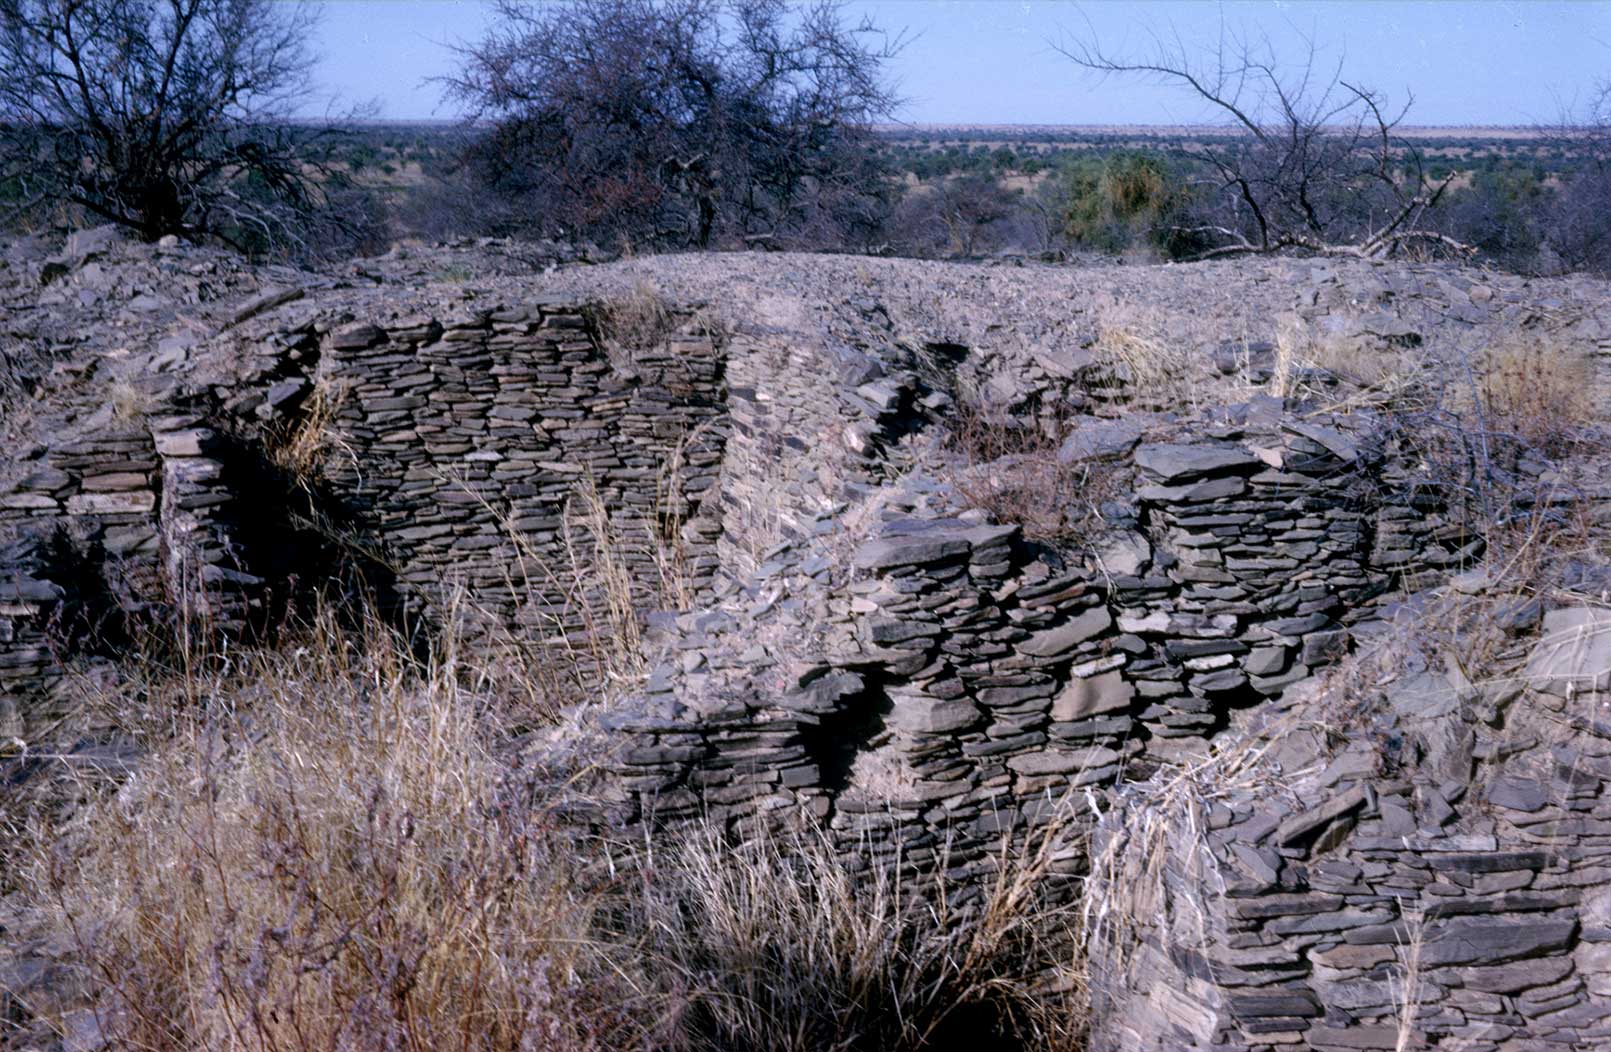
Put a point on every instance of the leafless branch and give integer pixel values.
(1316, 164)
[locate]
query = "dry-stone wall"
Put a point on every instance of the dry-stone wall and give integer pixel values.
(1441, 882)
(955, 675)
(130, 522)
(451, 455)
(90, 502)
(457, 447)
(919, 679)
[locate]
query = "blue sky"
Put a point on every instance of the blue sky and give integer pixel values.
(990, 61)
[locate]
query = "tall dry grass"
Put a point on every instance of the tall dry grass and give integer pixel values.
(1340, 374)
(300, 446)
(1541, 390)
(328, 853)
(788, 948)
(332, 846)
(1157, 369)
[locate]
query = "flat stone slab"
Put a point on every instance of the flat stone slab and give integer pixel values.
(915, 549)
(1574, 653)
(1494, 940)
(1100, 440)
(1179, 463)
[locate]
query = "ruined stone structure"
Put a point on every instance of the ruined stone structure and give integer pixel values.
(865, 651)
(953, 673)
(1443, 884)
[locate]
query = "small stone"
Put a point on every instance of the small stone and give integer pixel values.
(1265, 661)
(1057, 762)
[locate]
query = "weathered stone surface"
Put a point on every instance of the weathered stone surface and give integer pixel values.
(1179, 463)
(1057, 641)
(1574, 652)
(1494, 940)
(919, 715)
(1100, 440)
(1084, 698)
(912, 550)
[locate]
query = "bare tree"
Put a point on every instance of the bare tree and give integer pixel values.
(1576, 228)
(1311, 161)
(162, 116)
(680, 122)
(970, 210)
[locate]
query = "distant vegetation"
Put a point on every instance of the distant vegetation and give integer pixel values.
(1524, 199)
(643, 125)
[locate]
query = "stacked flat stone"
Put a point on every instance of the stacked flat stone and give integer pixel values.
(1273, 535)
(1484, 870)
(85, 542)
(978, 678)
(458, 446)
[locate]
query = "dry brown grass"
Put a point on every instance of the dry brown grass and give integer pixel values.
(1158, 370)
(1150, 867)
(1010, 468)
(328, 848)
(328, 854)
(581, 616)
(1539, 389)
(1343, 373)
(1406, 983)
(128, 401)
(301, 446)
(791, 949)
(637, 321)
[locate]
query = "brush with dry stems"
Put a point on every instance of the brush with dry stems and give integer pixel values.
(1012, 470)
(790, 942)
(299, 448)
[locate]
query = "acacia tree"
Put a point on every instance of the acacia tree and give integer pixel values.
(680, 122)
(1311, 161)
(162, 116)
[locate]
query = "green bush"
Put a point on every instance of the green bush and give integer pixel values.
(1124, 200)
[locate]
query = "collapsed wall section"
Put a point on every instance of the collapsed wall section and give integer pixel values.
(1440, 880)
(136, 524)
(958, 679)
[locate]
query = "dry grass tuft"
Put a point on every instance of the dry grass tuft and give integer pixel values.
(1540, 390)
(1405, 981)
(300, 448)
(580, 620)
(1010, 468)
(1343, 373)
(330, 847)
(1157, 370)
(1149, 866)
(637, 321)
(328, 854)
(789, 948)
(128, 401)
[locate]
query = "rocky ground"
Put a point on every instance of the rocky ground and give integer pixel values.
(1249, 404)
